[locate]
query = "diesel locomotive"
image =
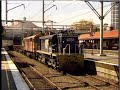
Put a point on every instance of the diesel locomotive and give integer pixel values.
(59, 51)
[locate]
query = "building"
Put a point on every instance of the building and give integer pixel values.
(21, 29)
(114, 16)
(110, 40)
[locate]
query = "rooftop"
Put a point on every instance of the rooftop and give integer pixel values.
(96, 35)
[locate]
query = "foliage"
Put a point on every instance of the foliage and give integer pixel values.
(3, 34)
(82, 25)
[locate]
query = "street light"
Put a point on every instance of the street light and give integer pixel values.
(91, 34)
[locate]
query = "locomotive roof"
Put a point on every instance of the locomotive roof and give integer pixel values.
(60, 34)
(32, 36)
(68, 35)
(47, 36)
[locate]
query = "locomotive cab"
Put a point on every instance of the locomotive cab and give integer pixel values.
(68, 44)
(49, 43)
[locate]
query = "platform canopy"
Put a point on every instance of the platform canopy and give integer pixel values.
(101, 0)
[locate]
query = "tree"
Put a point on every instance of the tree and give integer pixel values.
(82, 25)
(3, 33)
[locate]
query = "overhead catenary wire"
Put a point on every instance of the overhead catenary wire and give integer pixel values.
(110, 8)
(36, 14)
(61, 7)
(20, 4)
(50, 3)
(25, 7)
(13, 11)
(40, 11)
(80, 15)
(24, 11)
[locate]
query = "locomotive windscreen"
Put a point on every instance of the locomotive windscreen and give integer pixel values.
(72, 43)
(17, 41)
(69, 44)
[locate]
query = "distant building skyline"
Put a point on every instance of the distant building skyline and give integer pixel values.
(114, 16)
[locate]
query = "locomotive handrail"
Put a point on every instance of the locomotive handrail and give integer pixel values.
(65, 49)
(76, 48)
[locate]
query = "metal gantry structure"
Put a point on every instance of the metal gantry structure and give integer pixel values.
(101, 17)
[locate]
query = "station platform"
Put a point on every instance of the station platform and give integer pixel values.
(110, 59)
(10, 75)
(104, 66)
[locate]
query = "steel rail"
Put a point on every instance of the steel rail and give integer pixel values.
(28, 81)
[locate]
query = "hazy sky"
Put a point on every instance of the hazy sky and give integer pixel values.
(67, 11)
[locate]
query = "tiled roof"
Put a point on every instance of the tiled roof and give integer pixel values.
(27, 24)
(96, 35)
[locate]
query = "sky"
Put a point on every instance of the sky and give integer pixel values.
(66, 13)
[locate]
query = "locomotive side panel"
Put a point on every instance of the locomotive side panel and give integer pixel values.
(28, 45)
(31, 43)
(44, 44)
(47, 43)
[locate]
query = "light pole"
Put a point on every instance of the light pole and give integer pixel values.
(43, 17)
(101, 31)
(6, 11)
(91, 35)
(44, 13)
(119, 34)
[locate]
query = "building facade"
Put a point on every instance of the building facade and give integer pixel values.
(114, 16)
(110, 40)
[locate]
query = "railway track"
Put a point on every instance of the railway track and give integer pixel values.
(38, 80)
(107, 81)
(35, 80)
(96, 83)
(34, 71)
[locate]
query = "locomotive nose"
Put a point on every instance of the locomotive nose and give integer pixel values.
(72, 64)
(74, 67)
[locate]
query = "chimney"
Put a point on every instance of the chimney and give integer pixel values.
(24, 19)
(12, 22)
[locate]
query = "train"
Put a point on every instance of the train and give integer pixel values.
(17, 44)
(57, 50)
